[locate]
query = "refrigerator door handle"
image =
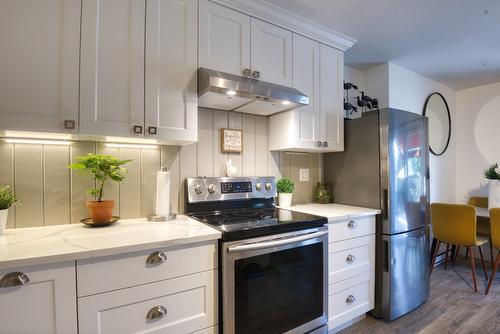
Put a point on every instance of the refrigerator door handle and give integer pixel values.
(385, 206)
(386, 256)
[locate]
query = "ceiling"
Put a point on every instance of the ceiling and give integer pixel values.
(455, 42)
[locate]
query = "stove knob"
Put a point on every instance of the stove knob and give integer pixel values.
(211, 188)
(269, 186)
(198, 189)
(258, 186)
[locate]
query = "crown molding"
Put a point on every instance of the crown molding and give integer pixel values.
(265, 11)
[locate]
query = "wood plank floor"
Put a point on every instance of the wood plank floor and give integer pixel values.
(453, 307)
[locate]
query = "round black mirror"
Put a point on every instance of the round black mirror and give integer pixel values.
(437, 111)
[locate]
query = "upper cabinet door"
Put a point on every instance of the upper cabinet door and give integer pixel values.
(224, 35)
(112, 67)
(40, 43)
(331, 110)
(272, 53)
(306, 79)
(171, 64)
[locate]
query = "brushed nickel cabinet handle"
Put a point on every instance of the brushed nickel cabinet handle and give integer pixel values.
(156, 258)
(69, 124)
(138, 129)
(152, 130)
(157, 312)
(15, 278)
(256, 75)
(350, 258)
(352, 224)
(247, 72)
(350, 299)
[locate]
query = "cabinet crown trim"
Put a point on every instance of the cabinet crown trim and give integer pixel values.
(263, 10)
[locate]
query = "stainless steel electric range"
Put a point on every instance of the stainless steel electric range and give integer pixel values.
(273, 276)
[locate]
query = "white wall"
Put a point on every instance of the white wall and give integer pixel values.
(478, 136)
(377, 84)
(408, 91)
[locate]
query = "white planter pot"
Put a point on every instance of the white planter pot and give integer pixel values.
(3, 220)
(285, 200)
(494, 194)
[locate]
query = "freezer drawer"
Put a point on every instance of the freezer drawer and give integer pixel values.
(404, 283)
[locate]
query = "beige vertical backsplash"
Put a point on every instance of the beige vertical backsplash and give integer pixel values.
(52, 194)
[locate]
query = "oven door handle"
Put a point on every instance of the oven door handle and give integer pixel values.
(269, 244)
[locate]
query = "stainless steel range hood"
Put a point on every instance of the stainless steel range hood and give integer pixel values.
(218, 90)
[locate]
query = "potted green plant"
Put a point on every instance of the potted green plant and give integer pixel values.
(7, 199)
(494, 186)
(102, 168)
(285, 188)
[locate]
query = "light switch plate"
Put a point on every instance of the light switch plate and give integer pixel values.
(304, 174)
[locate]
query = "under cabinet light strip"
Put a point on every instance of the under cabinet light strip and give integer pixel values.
(118, 145)
(37, 141)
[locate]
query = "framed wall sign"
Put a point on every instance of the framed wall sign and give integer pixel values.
(231, 140)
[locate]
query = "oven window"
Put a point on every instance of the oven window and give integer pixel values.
(279, 291)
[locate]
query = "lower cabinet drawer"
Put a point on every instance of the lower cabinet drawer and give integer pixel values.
(115, 272)
(351, 258)
(352, 228)
(181, 305)
(349, 299)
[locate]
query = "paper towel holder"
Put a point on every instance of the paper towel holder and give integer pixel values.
(157, 218)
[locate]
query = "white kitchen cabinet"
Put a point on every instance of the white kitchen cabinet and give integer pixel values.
(178, 306)
(224, 39)
(112, 67)
(319, 126)
(233, 42)
(351, 270)
(44, 305)
(271, 52)
(331, 94)
(171, 109)
(40, 43)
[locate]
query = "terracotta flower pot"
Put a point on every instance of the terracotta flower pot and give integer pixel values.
(101, 212)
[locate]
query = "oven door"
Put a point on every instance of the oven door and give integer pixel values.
(275, 284)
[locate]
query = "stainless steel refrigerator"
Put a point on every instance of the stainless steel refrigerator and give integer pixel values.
(386, 165)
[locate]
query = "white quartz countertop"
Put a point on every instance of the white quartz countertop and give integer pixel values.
(335, 212)
(49, 244)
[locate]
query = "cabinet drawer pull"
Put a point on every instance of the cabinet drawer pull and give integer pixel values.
(325, 144)
(350, 258)
(15, 278)
(352, 224)
(350, 299)
(152, 130)
(247, 73)
(256, 75)
(319, 143)
(69, 124)
(157, 312)
(138, 129)
(156, 258)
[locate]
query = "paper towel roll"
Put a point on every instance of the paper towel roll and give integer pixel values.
(162, 200)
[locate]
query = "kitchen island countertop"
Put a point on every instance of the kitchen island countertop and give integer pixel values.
(49, 244)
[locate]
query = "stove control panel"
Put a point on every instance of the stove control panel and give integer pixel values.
(209, 189)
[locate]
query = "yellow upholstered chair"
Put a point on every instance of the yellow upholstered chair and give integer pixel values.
(455, 224)
(483, 223)
(495, 241)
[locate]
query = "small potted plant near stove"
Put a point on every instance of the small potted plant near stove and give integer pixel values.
(285, 188)
(102, 168)
(494, 186)
(7, 199)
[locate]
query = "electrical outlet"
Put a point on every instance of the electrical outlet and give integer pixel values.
(304, 174)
